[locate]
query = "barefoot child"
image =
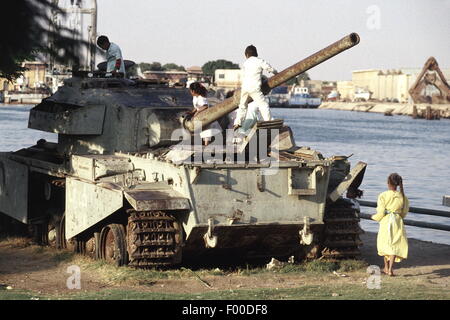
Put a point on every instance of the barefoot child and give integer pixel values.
(392, 207)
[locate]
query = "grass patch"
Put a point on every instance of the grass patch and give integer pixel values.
(308, 267)
(121, 275)
(17, 242)
(63, 256)
(389, 291)
(38, 250)
(352, 265)
(20, 295)
(312, 267)
(319, 266)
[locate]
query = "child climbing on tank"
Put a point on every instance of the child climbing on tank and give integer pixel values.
(252, 115)
(200, 102)
(251, 86)
(392, 207)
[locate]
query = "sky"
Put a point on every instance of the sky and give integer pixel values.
(394, 33)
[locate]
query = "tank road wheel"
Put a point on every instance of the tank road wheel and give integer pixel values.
(53, 231)
(61, 241)
(113, 245)
(154, 239)
(89, 247)
(39, 233)
(86, 246)
(53, 228)
(342, 230)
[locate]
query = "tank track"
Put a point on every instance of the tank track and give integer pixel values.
(342, 230)
(154, 239)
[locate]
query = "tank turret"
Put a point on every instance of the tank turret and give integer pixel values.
(104, 115)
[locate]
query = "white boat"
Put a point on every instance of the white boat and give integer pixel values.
(279, 97)
(300, 98)
(362, 94)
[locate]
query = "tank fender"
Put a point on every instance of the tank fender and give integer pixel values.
(353, 179)
(14, 189)
(87, 204)
(156, 196)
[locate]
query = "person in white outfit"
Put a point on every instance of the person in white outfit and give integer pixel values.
(252, 70)
(252, 115)
(114, 60)
(199, 93)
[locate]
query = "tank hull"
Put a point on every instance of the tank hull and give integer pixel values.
(131, 181)
(256, 210)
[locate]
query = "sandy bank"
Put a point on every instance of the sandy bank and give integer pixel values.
(423, 257)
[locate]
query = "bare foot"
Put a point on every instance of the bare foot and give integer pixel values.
(391, 274)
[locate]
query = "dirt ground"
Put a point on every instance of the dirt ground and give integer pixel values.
(35, 269)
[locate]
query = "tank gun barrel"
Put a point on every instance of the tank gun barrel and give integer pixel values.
(219, 110)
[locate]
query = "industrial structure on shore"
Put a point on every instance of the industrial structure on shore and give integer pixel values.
(400, 85)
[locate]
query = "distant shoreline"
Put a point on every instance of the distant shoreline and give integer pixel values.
(385, 107)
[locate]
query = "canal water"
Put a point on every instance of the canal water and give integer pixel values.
(419, 150)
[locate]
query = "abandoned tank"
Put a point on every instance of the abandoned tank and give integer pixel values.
(128, 180)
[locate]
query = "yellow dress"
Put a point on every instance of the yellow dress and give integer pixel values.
(391, 240)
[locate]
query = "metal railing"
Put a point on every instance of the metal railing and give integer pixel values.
(408, 222)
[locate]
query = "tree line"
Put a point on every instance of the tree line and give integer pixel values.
(208, 68)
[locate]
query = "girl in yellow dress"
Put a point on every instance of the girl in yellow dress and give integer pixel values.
(392, 207)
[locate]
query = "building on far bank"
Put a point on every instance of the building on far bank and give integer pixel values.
(319, 88)
(228, 79)
(172, 76)
(385, 85)
(34, 74)
(195, 73)
(346, 90)
(177, 77)
(31, 87)
(5, 85)
(33, 78)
